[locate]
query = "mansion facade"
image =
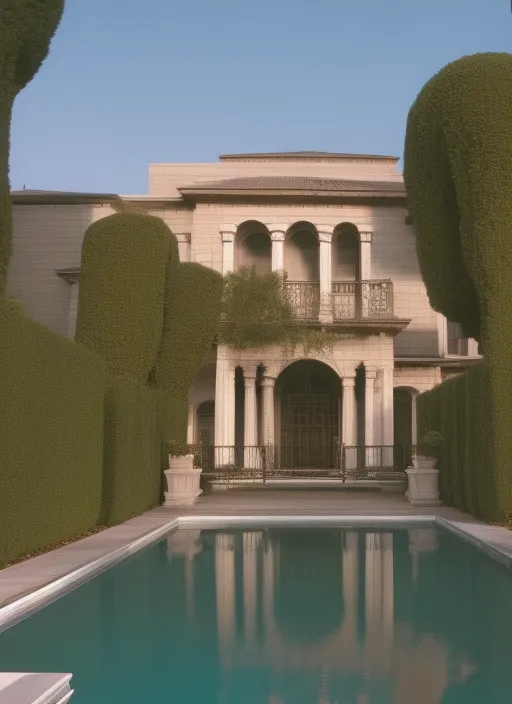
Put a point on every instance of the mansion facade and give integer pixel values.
(337, 224)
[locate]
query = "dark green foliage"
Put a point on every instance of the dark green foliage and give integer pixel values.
(191, 318)
(132, 476)
(458, 161)
(26, 29)
(271, 322)
(468, 468)
(51, 436)
(122, 281)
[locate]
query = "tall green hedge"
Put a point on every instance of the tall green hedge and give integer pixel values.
(26, 29)
(193, 298)
(51, 436)
(470, 480)
(132, 477)
(457, 166)
(122, 283)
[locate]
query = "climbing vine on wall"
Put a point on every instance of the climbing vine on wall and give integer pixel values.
(257, 311)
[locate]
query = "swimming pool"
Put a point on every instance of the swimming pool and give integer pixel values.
(282, 616)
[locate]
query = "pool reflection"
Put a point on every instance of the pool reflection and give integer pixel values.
(318, 616)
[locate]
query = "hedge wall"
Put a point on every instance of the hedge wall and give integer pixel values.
(472, 474)
(192, 306)
(51, 436)
(122, 284)
(132, 463)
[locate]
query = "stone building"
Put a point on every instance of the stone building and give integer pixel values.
(338, 225)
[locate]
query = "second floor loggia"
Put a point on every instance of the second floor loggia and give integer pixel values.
(328, 268)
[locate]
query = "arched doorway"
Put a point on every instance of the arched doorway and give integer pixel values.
(308, 394)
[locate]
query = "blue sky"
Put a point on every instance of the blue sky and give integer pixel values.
(130, 82)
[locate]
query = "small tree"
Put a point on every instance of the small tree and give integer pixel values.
(26, 30)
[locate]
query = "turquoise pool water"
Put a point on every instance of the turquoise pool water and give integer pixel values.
(317, 616)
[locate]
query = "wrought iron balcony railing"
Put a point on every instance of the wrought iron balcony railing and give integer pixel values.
(362, 300)
(350, 300)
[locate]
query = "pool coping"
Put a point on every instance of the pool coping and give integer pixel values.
(494, 541)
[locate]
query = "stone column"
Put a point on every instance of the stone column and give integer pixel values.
(277, 235)
(388, 430)
(365, 237)
(365, 272)
(250, 420)
(225, 593)
(349, 420)
(190, 425)
(224, 409)
(369, 416)
(442, 335)
(349, 411)
(325, 239)
(183, 246)
(228, 233)
(268, 383)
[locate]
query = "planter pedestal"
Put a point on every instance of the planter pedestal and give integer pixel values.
(182, 481)
(423, 482)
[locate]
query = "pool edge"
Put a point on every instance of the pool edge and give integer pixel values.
(479, 535)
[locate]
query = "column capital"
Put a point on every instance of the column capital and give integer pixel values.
(325, 233)
(268, 381)
(348, 381)
(183, 237)
(370, 372)
(278, 232)
(228, 232)
(365, 235)
(250, 373)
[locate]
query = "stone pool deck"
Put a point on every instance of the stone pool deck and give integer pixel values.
(26, 577)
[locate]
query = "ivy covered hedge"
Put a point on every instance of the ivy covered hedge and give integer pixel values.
(457, 166)
(131, 472)
(472, 477)
(122, 284)
(52, 394)
(192, 306)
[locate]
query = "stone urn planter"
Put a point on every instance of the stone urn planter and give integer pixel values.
(423, 477)
(182, 479)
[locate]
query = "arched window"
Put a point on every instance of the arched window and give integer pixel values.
(253, 247)
(302, 253)
(345, 253)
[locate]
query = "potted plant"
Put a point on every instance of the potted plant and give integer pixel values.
(183, 479)
(423, 477)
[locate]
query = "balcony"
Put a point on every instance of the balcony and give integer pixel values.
(356, 301)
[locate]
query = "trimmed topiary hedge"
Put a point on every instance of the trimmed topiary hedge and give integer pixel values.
(460, 409)
(52, 395)
(26, 30)
(457, 166)
(132, 476)
(122, 283)
(193, 298)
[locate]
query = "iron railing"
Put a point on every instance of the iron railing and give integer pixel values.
(305, 299)
(350, 300)
(362, 300)
(260, 463)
